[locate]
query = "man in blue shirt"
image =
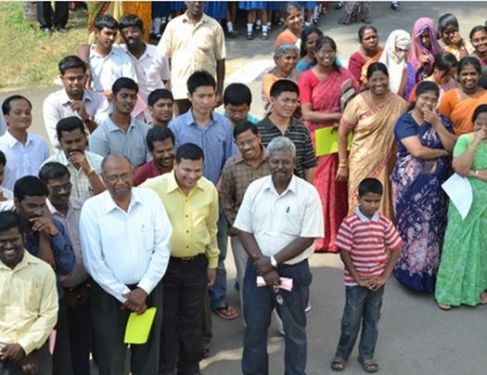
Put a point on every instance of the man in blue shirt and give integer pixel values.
(213, 133)
(47, 239)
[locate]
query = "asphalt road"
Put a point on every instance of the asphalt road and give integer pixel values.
(415, 336)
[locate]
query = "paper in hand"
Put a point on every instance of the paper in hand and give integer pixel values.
(286, 283)
(139, 326)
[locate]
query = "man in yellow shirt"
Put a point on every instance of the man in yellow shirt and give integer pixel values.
(28, 298)
(191, 202)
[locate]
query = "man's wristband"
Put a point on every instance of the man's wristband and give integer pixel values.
(273, 261)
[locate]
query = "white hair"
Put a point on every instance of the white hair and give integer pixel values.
(282, 144)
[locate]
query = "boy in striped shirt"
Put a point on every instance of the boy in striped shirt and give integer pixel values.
(369, 247)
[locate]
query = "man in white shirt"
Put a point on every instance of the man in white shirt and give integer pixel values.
(107, 62)
(151, 65)
(73, 100)
(279, 219)
(125, 234)
(25, 152)
(84, 166)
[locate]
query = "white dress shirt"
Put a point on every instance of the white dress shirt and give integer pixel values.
(105, 70)
(81, 183)
(125, 248)
(277, 220)
(152, 69)
(58, 106)
(3, 124)
(22, 159)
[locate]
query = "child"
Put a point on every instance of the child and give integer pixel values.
(237, 99)
(161, 103)
(364, 239)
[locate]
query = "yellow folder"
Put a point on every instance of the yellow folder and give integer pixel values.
(327, 141)
(138, 326)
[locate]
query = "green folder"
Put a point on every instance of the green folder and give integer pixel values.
(138, 326)
(327, 141)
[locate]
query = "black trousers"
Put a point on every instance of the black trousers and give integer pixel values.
(184, 289)
(74, 335)
(45, 15)
(109, 322)
(43, 358)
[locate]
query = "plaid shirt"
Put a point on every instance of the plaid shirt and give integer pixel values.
(296, 132)
(236, 177)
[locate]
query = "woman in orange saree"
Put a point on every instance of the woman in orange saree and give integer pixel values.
(459, 104)
(370, 117)
(320, 91)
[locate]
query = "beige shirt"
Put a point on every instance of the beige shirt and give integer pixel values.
(28, 303)
(276, 219)
(191, 48)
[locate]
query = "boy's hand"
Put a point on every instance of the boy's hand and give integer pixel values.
(377, 283)
(365, 283)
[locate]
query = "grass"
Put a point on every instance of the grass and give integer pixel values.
(29, 58)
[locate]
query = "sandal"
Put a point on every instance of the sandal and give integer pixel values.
(444, 306)
(338, 364)
(368, 365)
(226, 312)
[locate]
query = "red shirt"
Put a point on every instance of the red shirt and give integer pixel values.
(367, 241)
(148, 170)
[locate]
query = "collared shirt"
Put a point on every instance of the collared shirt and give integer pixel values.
(296, 132)
(105, 70)
(152, 69)
(7, 194)
(191, 48)
(58, 106)
(22, 159)
(123, 248)
(70, 221)
(3, 124)
(216, 140)
(28, 303)
(367, 240)
(236, 177)
(277, 220)
(148, 170)
(108, 138)
(62, 250)
(81, 183)
(193, 216)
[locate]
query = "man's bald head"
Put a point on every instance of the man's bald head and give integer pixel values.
(117, 176)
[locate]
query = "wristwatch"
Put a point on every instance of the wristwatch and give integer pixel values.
(273, 261)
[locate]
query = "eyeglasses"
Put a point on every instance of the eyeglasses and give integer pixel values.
(126, 177)
(57, 189)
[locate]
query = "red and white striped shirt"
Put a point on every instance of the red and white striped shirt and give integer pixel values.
(367, 241)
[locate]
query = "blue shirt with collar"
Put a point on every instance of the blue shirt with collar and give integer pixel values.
(62, 251)
(215, 139)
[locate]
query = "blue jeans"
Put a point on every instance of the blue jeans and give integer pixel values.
(218, 291)
(259, 303)
(362, 305)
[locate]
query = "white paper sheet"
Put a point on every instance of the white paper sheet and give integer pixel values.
(459, 190)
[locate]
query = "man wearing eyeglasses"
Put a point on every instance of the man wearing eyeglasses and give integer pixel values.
(125, 235)
(74, 323)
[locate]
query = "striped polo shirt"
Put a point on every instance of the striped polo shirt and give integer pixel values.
(367, 241)
(296, 132)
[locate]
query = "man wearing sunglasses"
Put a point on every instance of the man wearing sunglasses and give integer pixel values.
(74, 323)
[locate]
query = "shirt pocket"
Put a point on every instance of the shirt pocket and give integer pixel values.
(204, 42)
(31, 291)
(291, 221)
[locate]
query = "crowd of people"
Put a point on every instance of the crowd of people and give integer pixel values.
(149, 181)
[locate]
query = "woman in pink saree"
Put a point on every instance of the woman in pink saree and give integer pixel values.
(322, 90)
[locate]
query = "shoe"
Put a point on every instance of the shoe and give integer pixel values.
(232, 34)
(395, 6)
(47, 31)
(62, 30)
(250, 35)
(339, 5)
(265, 36)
